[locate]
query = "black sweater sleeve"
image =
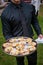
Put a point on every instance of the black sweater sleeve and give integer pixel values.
(6, 27)
(35, 22)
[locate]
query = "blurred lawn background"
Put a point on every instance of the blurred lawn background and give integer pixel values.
(10, 60)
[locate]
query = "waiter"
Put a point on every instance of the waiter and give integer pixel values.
(17, 20)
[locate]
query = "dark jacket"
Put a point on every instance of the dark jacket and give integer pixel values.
(11, 21)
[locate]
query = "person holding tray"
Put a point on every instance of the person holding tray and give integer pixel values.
(17, 20)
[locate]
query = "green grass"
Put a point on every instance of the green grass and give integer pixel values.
(10, 60)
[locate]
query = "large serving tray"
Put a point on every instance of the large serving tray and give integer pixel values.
(19, 55)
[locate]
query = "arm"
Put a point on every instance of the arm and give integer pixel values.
(35, 23)
(6, 27)
(3, 5)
